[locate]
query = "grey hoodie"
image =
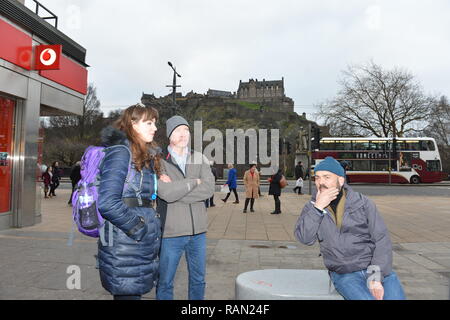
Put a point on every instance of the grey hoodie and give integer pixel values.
(362, 241)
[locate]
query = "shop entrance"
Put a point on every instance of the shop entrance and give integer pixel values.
(6, 149)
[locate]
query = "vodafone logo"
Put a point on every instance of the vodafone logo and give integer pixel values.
(48, 57)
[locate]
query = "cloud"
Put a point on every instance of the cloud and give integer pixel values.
(214, 44)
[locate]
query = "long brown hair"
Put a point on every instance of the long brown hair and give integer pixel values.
(139, 149)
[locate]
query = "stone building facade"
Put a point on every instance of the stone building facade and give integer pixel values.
(270, 94)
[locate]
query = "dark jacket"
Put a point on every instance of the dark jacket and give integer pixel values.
(75, 174)
(363, 239)
(274, 188)
(298, 172)
(56, 171)
(130, 265)
(214, 172)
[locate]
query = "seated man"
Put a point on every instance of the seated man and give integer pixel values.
(353, 238)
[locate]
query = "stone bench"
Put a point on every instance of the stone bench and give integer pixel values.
(285, 284)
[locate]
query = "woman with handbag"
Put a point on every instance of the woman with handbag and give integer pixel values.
(251, 183)
(275, 190)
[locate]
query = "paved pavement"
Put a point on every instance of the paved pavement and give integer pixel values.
(34, 261)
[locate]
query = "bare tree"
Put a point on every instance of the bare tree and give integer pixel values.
(439, 122)
(378, 102)
(66, 137)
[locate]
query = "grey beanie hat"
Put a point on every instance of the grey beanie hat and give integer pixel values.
(174, 123)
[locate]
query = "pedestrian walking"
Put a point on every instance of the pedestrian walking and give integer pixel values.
(55, 178)
(275, 190)
(232, 184)
(210, 202)
(182, 204)
(299, 186)
(299, 171)
(75, 176)
(251, 183)
(354, 241)
(48, 183)
(259, 186)
(128, 262)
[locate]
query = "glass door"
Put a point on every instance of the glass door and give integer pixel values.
(6, 142)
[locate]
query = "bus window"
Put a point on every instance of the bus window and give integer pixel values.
(361, 165)
(377, 145)
(327, 145)
(380, 165)
(433, 165)
(427, 145)
(360, 145)
(343, 145)
(412, 145)
(399, 145)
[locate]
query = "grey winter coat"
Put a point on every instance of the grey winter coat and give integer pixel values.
(181, 202)
(362, 241)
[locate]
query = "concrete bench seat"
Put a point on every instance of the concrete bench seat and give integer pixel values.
(285, 284)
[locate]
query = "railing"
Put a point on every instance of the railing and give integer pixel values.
(52, 15)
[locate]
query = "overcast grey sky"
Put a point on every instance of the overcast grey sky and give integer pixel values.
(214, 44)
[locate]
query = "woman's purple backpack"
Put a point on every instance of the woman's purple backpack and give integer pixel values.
(85, 197)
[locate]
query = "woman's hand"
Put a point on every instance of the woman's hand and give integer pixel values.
(165, 178)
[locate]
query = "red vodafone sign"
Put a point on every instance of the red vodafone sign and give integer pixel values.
(48, 57)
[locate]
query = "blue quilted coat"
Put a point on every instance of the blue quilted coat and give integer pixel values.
(129, 261)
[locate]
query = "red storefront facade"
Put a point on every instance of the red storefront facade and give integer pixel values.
(26, 95)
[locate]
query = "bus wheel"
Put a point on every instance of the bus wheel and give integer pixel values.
(415, 180)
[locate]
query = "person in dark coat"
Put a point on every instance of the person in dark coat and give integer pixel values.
(210, 201)
(55, 178)
(48, 184)
(275, 190)
(299, 172)
(129, 261)
(75, 176)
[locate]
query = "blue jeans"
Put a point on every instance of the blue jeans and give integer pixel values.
(353, 286)
(194, 248)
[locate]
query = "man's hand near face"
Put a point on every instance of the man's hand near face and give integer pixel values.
(324, 197)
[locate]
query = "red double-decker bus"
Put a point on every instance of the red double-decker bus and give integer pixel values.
(380, 160)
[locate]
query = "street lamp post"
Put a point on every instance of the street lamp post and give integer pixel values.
(174, 85)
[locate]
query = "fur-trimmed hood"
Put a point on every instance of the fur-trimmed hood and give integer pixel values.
(111, 136)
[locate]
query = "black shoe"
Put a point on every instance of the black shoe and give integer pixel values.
(251, 210)
(245, 211)
(273, 212)
(236, 202)
(224, 200)
(213, 205)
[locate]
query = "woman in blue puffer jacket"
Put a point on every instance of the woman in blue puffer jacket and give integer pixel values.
(128, 252)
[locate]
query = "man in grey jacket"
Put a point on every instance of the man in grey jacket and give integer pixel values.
(353, 238)
(187, 183)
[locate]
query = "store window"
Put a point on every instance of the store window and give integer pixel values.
(6, 138)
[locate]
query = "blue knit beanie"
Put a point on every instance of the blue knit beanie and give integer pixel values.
(330, 164)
